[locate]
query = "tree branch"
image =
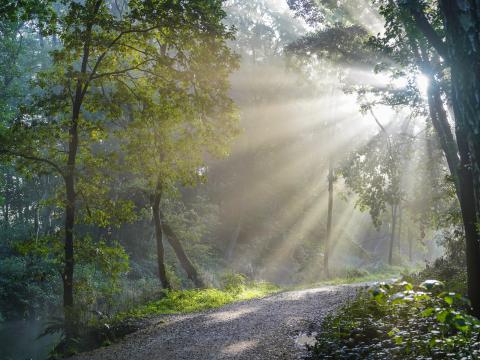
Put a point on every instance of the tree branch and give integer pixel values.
(121, 71)
(425, 27)
(33, 158)
(111, 44)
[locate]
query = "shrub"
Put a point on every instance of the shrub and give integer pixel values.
(233, 282)
(401, 321)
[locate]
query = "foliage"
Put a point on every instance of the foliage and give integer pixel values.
(100, 266)
(28, 287)
(372, 173)
(327, 13)
(451, 266)
(401, 321)
(233, 282)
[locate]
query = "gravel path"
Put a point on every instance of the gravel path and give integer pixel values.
(268, 328)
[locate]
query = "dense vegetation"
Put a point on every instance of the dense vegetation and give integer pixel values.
(175, 155)
(414, 317)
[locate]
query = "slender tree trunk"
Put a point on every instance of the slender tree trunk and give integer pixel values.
(469, 215)
(399, 236)
(36, 221)
(233, 241)
(8, 185)
(69, 179)
(392, 235)
(328, 238)
(181, 255)
(162, 273)
(410, 246)
(69, 260)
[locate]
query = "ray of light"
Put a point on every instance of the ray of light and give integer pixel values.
(295, 235)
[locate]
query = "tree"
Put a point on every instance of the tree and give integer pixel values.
(170, 129)
(321, 50)
(373, 173)
(108, 52)
(438, 45)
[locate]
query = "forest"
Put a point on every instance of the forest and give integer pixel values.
(239, 179)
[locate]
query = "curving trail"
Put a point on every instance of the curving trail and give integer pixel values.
(268, 328)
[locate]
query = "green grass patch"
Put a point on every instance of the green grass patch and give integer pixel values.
(187, 301)
(352, 276)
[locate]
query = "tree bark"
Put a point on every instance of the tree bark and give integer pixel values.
(461, 52)
(69, 179)
(162, 273)
(181, 254)
(462, 174)
(462, 25)
(69, 259)
(470, 220)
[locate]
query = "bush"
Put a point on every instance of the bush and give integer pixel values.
(27, 287)
(233, 282)
(353, 273)
(401, 321)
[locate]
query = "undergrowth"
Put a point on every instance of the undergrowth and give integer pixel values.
(105, 330)
(187, 301)
(401, 321)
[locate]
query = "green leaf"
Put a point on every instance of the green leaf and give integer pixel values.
(398, 339)
(431, 284)
(460, 323)
(427, 312)
(393, 332)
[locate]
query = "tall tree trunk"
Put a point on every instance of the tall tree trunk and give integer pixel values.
(232, 244)
(69, 179)
(328, 238)
(461, 52)
(470, 220)
(181, 255)
(69, 259)
(462, 174)
(162, 273)
(392, 235)
(462, 25)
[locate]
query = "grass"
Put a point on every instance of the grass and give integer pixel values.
(188, 301)
(359, 276)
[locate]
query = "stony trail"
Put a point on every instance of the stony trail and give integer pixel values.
(269, 328)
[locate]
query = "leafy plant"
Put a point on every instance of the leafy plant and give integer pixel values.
(402, 321)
